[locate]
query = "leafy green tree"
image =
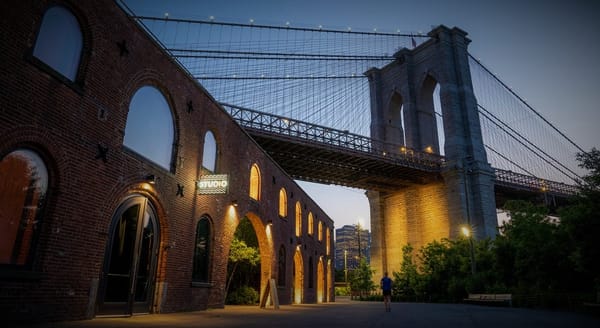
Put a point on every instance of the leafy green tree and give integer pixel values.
(241, 253)
(361, 278)
(407, 282)
(445, 266)
(535, 241)
(580, 223)
(244, 257)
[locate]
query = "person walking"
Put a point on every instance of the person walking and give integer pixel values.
(386, 287)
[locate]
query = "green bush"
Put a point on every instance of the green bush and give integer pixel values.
(244, 295)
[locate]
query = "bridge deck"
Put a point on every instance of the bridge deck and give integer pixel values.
(316, 153)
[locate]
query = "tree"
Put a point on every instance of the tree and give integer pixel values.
(361, 278)
(407, 282)
(240, 253)
(244, 255)
(580, 223)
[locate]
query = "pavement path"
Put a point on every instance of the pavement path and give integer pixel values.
(348, 314)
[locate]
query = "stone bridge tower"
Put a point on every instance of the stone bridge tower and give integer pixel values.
(403, 113)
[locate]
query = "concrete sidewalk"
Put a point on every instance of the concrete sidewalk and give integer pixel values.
(348, 314)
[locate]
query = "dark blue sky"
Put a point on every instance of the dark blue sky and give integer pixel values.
(545, 50)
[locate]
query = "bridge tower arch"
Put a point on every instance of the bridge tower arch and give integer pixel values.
(464, 193)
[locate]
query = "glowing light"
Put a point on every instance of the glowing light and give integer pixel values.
(251, 20)
(361, 222)
(403, 149)
(429, 149)
(465, 231)
(146, 186)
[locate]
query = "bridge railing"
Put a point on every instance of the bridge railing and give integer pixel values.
(514, 179)
(282, 126)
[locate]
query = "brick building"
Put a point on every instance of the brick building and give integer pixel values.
(122, 181)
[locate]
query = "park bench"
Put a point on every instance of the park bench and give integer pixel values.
(489, 299)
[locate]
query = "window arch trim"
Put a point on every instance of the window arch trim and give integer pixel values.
(22, 258)
(201, 263)
(255, 182)
(84, 50)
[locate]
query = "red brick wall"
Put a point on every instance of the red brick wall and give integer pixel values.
(65, 124)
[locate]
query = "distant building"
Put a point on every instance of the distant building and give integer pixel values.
(348, 242)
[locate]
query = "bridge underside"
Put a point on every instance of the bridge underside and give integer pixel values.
(310, 161)
(505, 192)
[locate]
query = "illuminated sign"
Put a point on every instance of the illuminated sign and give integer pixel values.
(213, 184)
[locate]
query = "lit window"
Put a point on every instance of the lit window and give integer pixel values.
(282, 203)
(255, 182)
(298, 219)
(23, 186)
(59, 42)
(320, 231)
(202, 251)
(327, 240)
(149, 130)
(209, 155)
(311, 223)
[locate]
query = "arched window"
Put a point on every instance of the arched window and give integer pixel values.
(320, 231)
(394, 131)
(298, 219)
(311, 219)
(149, 130)
(282, 203)
(434, 140)
(59, 42)
(209, 155)
(23, 187)
(255, 182)
(327, 240)
(202, 248)
(281, 267)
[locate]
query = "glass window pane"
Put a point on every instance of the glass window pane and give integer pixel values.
(209, 155)
(282, 203)
(255, 182)
(202, 251)
(23, 186)
(149, 129)
(123, 248)
(59, 42)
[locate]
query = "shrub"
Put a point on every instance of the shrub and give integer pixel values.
(244, 295)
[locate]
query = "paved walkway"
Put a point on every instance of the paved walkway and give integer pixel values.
(348, 314)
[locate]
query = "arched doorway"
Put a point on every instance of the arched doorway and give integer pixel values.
(244, 266)
(265, 249)
(127, 281)
(298, 288)
(320, 281)
(329, 286)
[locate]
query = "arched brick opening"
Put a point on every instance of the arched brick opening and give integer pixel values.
(298, 285)
(265, 245)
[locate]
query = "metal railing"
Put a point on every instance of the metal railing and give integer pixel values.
(271, 124)
(279, 126)
(528, 182)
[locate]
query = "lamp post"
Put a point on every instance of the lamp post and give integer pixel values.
(466, 231)
(346, 266)
(358, 231)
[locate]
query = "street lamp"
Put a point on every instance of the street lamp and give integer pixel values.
(346, 266)
(466, 231)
